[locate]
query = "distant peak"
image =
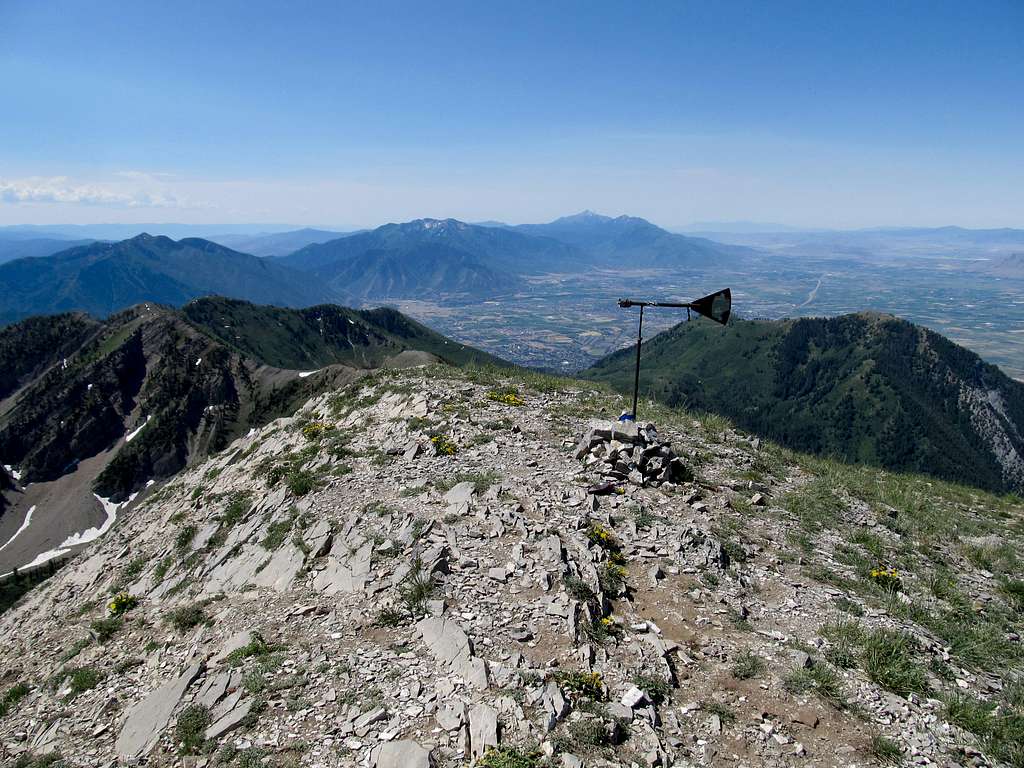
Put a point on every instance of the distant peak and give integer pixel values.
(587, 216)
(441, 225)
(145, 237)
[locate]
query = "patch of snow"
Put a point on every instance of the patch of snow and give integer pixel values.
(64, 364)
(91, 534)
(24, 525)
(252, 431)
(40, 559)
(12, 472)
(198, 361)
(304, 374)
(88, 388)
(150, 483)
(77, 539)
(133, 434)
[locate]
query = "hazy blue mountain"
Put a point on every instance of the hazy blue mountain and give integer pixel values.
(29, 248)
(429, 257)
(492, 246)
(709, 227)
(947, 242)
(113, 231)
(102, 278)
(275, 243)
(423, 271)
(1004, 235)
(1008, 266)
(630, 241)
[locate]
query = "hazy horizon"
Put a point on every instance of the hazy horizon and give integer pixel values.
(737, 227)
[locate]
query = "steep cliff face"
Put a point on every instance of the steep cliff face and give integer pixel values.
(146, 381)
(440, 567)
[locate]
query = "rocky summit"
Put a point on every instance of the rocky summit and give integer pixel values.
(445, 567)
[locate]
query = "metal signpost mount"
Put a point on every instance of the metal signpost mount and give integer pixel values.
(715, 306)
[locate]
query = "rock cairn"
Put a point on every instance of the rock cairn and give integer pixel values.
(625, 451)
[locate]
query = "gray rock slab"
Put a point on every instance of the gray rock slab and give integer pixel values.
(554, 701)
(149, 717)
(402, 754)
(460, 494)
(318, 538)
(213, 688)
(227, 705)
(483, 729)
(345, 572)
(450, 645)
(633, 697)
(451, 716)
(280, 572)
(230, 721)
(233, 572)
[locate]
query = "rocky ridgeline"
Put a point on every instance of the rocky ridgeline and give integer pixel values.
(420, 570)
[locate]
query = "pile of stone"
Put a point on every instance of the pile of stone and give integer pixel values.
(625, 451)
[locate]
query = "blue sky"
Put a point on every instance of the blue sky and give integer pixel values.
(817, 114)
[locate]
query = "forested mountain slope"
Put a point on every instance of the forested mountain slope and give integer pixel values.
(863, 387)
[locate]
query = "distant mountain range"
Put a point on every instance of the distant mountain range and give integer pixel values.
(867, 388)
(627, 241)
(30, 248)
(275, 243)
(702, 227)
(173, 230)
(105, 406)
(951, 242)
(432, 258)
(446, 258)
(442, 260)
(102, 278)
(437, 259)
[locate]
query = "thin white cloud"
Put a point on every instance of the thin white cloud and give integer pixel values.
(62, 190)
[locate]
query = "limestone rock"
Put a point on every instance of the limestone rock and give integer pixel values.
(483, 729)
(147, 719)
(402, 754)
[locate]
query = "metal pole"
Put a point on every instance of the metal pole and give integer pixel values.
(636, 378)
